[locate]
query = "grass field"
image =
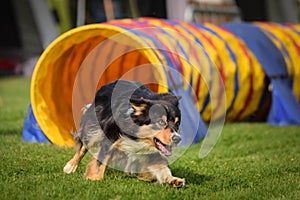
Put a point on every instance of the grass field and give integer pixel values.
(250, 161)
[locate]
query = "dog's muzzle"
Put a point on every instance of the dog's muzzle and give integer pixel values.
(176, 138)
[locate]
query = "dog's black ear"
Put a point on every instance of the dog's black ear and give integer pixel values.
(172, 99)
(139, 105)
(179, 97)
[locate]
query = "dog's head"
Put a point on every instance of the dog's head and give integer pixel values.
(158, 122)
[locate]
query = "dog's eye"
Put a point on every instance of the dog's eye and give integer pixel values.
(161, 122)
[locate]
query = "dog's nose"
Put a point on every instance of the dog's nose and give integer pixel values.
(176, 139)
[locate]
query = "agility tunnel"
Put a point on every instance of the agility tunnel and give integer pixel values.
(236, 72)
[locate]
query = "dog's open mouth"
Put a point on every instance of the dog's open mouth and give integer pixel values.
(165, 149)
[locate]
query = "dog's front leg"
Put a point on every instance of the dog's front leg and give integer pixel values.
(162, 174)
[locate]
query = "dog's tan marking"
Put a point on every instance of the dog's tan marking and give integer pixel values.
(139, 108)
(176, 120)
(165, 136)
(91, 170)
(95, 170)
(117, 144)
(72, 164)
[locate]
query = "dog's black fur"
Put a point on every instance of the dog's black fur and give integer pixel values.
(128, 119)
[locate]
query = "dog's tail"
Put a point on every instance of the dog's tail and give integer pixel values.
(85, 107)
(74, 133)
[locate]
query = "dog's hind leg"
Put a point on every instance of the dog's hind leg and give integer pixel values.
(72, 164)
(95, 169)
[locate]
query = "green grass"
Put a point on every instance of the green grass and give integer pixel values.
(250, 161)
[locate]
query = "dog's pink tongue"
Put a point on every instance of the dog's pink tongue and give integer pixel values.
(164, 150)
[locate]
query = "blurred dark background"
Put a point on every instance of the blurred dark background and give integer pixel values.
(29, 26)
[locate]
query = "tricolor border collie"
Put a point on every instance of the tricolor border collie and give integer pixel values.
(127, 123)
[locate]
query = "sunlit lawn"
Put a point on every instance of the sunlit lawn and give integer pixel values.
(250, 161)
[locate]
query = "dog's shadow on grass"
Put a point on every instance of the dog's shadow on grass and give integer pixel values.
(191, 176)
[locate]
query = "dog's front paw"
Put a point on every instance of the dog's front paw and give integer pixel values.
(70, 168)
(176, 182)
